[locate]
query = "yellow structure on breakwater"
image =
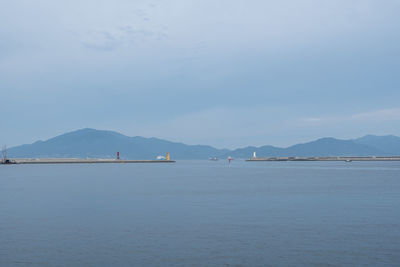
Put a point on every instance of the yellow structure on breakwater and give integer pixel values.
(79, 161)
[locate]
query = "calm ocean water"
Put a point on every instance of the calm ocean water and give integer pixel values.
(201, 213)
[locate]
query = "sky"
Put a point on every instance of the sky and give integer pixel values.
(223, 73)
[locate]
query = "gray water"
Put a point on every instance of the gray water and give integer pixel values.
(201, 213)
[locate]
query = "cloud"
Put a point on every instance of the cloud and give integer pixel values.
(301, 64)
(102, 40)
(392, 114)
(113, 38)
(389, 114)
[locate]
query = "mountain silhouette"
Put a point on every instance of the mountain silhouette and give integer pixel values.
(91, 143)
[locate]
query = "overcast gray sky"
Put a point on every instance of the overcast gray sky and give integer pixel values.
(224, 73)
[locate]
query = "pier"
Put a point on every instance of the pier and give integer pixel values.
(347, 159)
(79, 161)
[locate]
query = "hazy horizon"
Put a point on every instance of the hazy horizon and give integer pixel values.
(226, 74)
(177, 141)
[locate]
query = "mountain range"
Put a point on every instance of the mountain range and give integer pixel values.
(91, 143)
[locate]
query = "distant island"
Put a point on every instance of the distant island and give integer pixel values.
(92, 143)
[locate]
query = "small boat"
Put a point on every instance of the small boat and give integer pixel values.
(213, 158)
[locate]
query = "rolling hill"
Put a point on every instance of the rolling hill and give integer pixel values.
(91, 143)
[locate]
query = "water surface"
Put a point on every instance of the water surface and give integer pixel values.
(201, 213)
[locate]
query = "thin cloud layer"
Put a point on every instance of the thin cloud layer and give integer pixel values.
(156, 67)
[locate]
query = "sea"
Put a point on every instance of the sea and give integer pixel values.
(201, 213)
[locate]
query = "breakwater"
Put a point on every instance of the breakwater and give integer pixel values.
(347, 159)
(78, 161)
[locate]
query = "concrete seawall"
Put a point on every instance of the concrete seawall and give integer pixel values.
(79, 161)
(392, 158)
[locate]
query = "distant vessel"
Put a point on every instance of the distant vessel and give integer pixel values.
(161, 158)
(213, 158)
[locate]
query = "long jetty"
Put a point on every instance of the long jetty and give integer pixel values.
(78, 161)
(347, 159)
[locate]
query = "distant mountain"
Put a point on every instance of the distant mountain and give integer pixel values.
(332, 147)
(91, 143)
(320, 147)
(390, 144)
